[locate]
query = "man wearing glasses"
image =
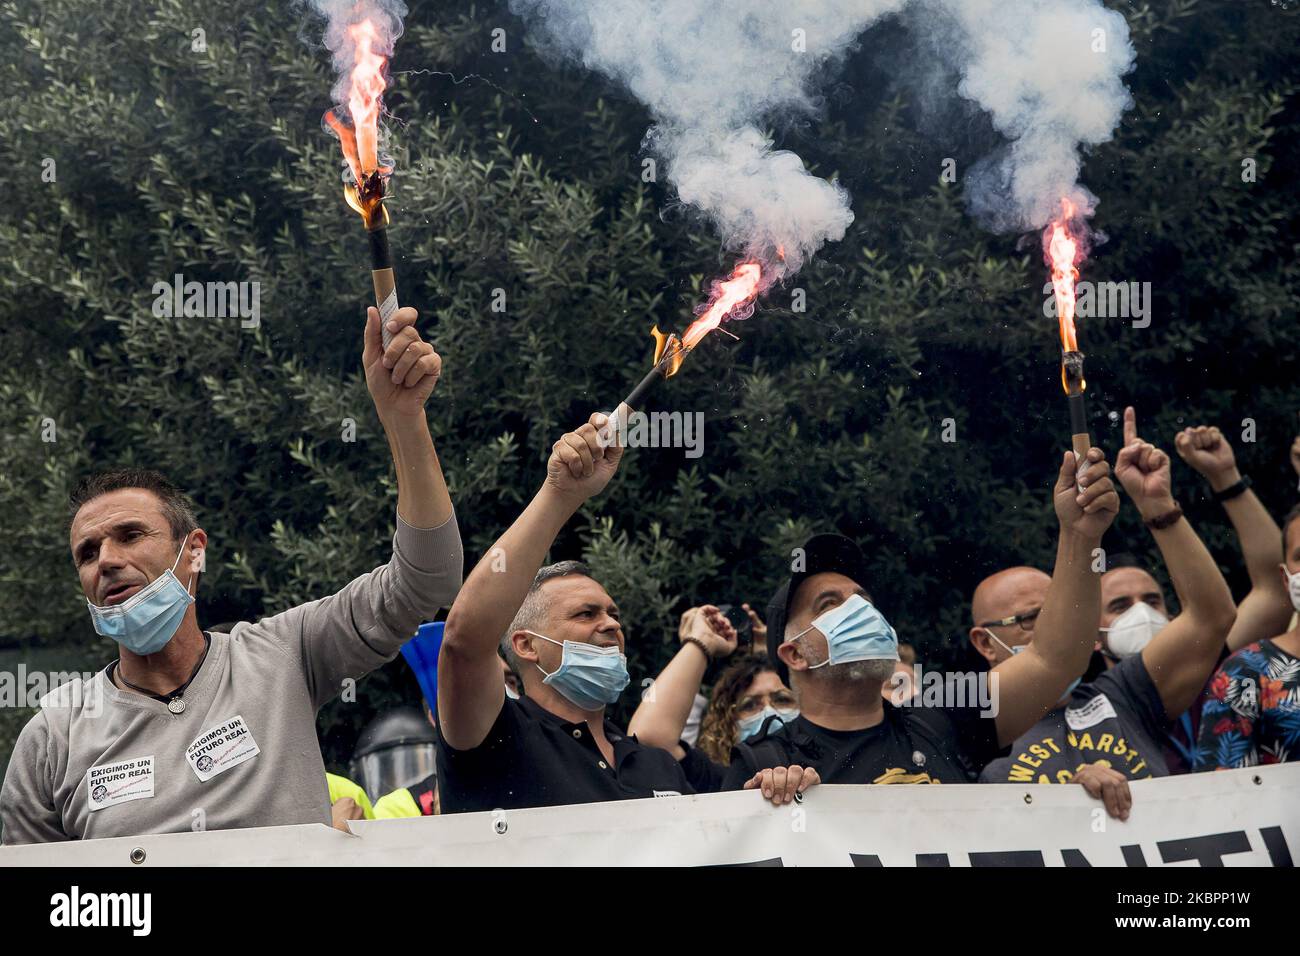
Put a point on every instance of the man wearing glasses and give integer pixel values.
(1109, 731)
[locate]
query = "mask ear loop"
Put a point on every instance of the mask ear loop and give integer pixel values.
(810, 627)
(177, 563)
(539, 666)
(1005, 647)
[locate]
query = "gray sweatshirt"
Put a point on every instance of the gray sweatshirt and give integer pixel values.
(97, 761)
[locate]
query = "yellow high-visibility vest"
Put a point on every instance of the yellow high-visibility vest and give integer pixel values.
(341, 787)
(397, 804)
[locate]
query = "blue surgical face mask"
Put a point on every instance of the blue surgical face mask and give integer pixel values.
(750, 726)
(855, 631)
(589, 677)
(148, 619)
(1013, 651)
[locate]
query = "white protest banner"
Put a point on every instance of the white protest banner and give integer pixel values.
(1232, 818)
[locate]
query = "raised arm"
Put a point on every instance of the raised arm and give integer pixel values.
(1183, 655)
(1266, 610)
(1029, 684)
(350, 633)
(705, 633)
(470, 690)
(401, 378)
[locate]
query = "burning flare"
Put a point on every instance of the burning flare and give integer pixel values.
(357, 125)
(732, 299)
(1063, 255)
(363, 103)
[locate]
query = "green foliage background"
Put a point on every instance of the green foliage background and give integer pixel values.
(518, 174)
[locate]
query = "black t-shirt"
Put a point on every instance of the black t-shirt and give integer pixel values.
(703, 774)
(1117, 718)
(912, 744)
(533, 758)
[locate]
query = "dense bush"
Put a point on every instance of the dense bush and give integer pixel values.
(518, 175)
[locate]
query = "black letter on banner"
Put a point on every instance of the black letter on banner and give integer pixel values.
(1206, 850)
(865, 859)
(1278, 851)
(932, 860)
(1074, 858)
(1133, 855)
(774, 861)
(1008, 858)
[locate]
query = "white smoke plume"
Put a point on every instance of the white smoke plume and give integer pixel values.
(1049, 74)
(710, 73)
(339, 15)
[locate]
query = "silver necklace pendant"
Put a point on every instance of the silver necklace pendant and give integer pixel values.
(176, 705)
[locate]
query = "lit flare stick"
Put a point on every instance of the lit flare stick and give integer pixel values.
(1063, 255)
(732, 298)
(357, 127)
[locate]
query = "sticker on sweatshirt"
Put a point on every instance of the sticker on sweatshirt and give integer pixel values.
(219, 748)
(112, 783)
(1090, 714)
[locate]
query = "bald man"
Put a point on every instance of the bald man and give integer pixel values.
(1120, 719)
(1005, 610)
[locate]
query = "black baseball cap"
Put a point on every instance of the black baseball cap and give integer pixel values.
(821, 553)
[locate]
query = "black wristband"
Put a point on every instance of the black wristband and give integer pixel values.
(1232, 491)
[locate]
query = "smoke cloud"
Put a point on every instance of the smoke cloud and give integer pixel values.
(1048, 73)
(710, 73)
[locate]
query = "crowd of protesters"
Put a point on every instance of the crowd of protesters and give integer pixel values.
(1081, 674)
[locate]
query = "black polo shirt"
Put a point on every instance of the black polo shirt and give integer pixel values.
(533, 758)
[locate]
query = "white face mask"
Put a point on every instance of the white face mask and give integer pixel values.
(1133, 630)
(1293, 588)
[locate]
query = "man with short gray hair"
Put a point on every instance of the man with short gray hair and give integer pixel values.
(562, 633)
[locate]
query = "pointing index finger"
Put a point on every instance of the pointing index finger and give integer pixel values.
(1130, 425)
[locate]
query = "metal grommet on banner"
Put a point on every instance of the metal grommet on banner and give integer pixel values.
(798, 797)
(1028, 798)
(1257, 781)
(137, 855)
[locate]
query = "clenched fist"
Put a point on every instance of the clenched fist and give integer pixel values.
(401, 377)
(1206, 450)
(1085, 500)
(582, 463)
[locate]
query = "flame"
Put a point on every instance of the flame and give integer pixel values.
(731, 297)
(1063, 256)
(357, 126)
(367, 89)
(671, 344)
